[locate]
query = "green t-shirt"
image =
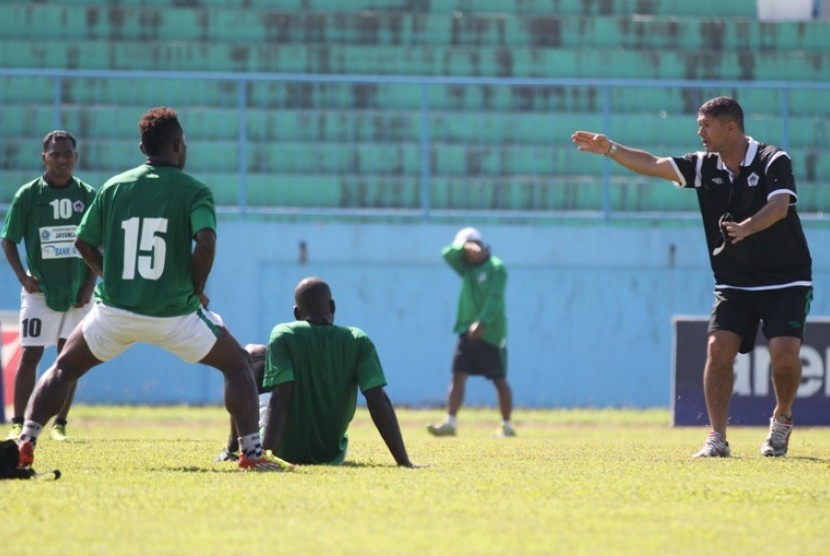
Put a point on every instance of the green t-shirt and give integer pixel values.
(482, 295)
(327, 364)
(145, 220)
(46, 218)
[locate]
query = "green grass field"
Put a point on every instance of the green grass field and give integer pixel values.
(140, 480)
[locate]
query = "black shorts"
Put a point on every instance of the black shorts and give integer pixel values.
(477, 357)
(783, 312)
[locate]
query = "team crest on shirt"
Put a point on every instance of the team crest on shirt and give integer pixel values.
(78, 206)
(717, 181)
(482, 277)
(753, 179)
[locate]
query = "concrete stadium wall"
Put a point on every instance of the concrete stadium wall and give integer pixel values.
(589, 307)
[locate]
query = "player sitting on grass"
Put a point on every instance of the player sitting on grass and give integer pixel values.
(313, 370)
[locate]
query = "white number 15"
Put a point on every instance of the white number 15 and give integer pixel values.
(149, 252)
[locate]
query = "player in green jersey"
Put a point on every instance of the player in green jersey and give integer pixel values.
(312, 370)
(481, 324)
(139, 236)
(57, 287)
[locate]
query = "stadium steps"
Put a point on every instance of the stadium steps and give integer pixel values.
(418, 60)
(544, 100)
(732, 8)
(212, 25)
(384, 126)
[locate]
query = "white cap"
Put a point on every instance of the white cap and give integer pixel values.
(467, 234)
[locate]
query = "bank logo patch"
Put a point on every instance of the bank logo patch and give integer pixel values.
(58, 242)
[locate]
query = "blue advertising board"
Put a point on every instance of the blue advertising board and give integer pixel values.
(753, 398)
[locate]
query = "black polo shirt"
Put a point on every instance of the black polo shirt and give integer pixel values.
(772, 258)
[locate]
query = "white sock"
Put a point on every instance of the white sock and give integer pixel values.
(31, 430)
(250, 445)
(451, 419)
(506, 423)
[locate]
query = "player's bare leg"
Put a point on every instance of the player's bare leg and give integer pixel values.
(786, 378)
(719, 377)
(240, 388)
(505, 395)
(50, 393)
(718, 382)
(455, 398)
(24, 378)
(458, 387)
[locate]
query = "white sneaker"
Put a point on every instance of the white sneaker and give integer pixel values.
(714, 447)
(778, 440)
(505, 431)
(444, 429)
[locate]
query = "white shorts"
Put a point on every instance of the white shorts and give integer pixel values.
(109, 331)
(42, 326)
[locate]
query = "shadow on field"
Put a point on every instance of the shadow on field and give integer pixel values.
(810, 458)
(231, 467)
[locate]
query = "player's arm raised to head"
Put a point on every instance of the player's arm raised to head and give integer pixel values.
(636, 160)
(386, 421)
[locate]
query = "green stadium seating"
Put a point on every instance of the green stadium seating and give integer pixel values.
(359, 145)
(734, 8)
(513, 30)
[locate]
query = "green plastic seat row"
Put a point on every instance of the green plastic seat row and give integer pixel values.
(391, 159)
(221, 25)
(628, 193)
(133, 96)
(25, 125)
(733, 8)
(420, 60)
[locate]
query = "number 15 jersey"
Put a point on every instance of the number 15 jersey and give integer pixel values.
(144, 220)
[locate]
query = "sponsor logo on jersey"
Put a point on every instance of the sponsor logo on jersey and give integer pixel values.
(58, 242)
(59, 251)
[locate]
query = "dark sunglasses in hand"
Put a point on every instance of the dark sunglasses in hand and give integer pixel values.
(724, 239)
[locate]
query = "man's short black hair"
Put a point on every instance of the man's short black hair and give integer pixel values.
(156, 128)
(56, 135)
(724, 108)
(312, 295)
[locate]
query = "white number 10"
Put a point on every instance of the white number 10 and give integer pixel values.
(151, 264)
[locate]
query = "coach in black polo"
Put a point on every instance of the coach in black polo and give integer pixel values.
(762, 265)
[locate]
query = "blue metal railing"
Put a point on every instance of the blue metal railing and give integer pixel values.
(427, 208)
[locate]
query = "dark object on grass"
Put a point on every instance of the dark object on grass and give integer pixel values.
(9, 458)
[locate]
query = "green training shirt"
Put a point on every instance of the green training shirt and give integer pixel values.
(327, 364)
(46, 218)
(145, 220)
(482, 295)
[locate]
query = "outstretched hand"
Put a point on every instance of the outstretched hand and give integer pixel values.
(590, 142)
